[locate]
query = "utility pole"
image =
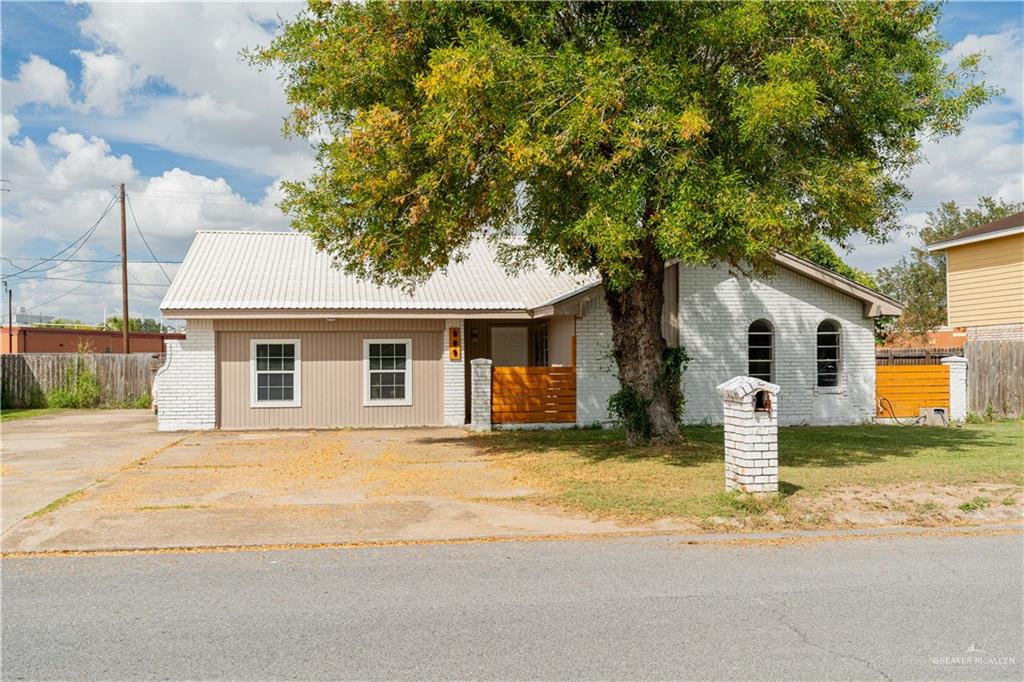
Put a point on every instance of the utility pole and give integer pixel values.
(124, 275)
(10, 318)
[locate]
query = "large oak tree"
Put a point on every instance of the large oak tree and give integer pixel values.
(612, 136)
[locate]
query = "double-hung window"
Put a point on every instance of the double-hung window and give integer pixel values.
(828, 354)
(275, 372)
(387, 372)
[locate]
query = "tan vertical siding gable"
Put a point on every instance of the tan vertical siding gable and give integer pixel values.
(985, 282)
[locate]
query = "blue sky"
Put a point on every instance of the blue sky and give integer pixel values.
(155, 95)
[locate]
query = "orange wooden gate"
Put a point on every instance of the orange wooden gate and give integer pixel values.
(533, 395)
(908, 388)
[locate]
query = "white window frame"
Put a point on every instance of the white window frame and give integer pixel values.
(770, 347)
(296, 400)
(840, 386)
(381, 402)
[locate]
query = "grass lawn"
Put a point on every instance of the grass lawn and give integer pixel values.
(10, 414)
(594, 472)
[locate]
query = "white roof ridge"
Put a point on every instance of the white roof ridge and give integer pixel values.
(288, 233)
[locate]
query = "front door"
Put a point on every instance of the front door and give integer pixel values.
(507, 344)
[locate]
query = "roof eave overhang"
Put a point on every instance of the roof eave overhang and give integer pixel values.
(1008, 232)
(567, 304)
(323, 313)
(875, 304)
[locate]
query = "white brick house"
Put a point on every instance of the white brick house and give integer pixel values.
(278, 338)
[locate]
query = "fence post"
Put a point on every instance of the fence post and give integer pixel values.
(957, 387)
(480, 394)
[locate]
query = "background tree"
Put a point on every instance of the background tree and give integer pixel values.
(59, 321)
(135, 324)
(612, 136)
(919, 280)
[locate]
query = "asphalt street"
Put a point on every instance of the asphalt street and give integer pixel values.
(906, 608)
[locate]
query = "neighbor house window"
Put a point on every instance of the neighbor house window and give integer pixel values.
(828, 354)
(760, 351)
(387, 372)
(275, 372)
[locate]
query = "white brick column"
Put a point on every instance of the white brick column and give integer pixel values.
(480, 392)
(957, 387)
(596, 378)
(454, 378)
(185, 386)
(751, 418)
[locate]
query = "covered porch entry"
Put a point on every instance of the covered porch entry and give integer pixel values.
(534, 373)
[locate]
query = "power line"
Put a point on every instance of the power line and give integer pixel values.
(139, 229)
(88, 272)
(155, 285)
(86, 260)
(81, 284)
(83, 270)
(60, 296)
(80, 243)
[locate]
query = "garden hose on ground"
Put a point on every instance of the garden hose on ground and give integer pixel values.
(884, 402)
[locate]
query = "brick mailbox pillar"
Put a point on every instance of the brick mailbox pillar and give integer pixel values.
(751, 409)
(480, 394)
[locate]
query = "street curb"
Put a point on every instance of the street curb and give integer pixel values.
(681, 538)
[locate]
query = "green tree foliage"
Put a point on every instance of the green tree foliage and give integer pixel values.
(135, 324)
(610, 136)
(919, 280)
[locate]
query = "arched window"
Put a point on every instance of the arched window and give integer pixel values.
(760, 351)
(828, 353)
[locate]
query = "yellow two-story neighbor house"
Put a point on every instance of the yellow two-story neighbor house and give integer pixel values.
(985, 279)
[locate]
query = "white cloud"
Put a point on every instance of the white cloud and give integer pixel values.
(63, 186)
(1001, 62)
(195, 49)
(87, 162)
(987, 159)
(106, 78)
(38, 82)
(19, 159)
(206, 108)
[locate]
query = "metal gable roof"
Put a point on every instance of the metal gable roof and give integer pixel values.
(248, 270)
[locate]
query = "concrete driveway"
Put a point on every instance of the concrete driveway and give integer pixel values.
(45, 458)
(228, 489)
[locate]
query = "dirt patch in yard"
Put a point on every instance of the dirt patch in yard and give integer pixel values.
(416, 472)
(917, 503)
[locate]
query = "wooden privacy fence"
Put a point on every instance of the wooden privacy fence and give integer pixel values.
(902, 390)
(25, 377)
(533, 395)
(914, 356)
(995, 376)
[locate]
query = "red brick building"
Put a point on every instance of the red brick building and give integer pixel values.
(57, 340)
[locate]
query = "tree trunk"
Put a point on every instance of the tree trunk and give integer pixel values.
(639, 347)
